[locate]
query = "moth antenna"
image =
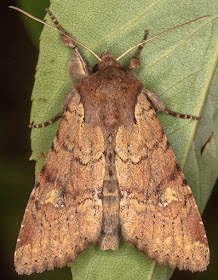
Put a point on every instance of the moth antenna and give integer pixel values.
(161, 33)
(64, 34)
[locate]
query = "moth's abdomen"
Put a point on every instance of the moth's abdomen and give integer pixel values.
(109, 238)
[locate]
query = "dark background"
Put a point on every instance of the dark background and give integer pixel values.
(18, 57)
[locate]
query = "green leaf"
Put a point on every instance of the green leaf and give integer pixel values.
(36, 8)
(202, 168)
(177, 66)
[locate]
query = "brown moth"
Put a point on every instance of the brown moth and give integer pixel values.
(110, 170)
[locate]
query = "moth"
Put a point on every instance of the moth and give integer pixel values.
(110, 171)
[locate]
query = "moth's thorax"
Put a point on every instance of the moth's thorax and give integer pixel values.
(109, 97)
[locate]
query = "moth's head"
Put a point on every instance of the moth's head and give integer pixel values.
(107, 59)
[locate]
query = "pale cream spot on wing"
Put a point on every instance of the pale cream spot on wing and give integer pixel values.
(189, 190)
(51, 197)
(169, 196)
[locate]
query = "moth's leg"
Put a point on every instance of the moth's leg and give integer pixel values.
(159, 105)
(78, 67)
(134, 62)
(51, 121)
(65, 103)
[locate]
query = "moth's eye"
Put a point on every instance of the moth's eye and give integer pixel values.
(95, 68)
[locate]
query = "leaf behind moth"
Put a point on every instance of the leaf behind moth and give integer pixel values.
(177, 66)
